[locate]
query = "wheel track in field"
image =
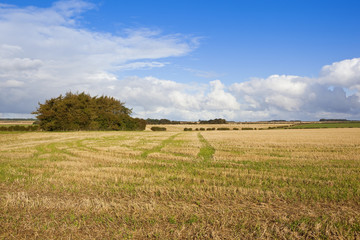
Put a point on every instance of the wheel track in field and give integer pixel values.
(206, 151)
(158, 148)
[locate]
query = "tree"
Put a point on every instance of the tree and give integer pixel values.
(80, 111)
(213, 121)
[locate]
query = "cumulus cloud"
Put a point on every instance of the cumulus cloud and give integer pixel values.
(153, 97)
(218, 99)
(345, 73)
(295, 97)
(280, 91)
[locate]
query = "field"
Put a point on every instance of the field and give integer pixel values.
(15, 122)
(328, 125)
(273, 184)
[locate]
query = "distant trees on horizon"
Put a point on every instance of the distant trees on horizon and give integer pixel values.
(167, 121)
(161, 121)
(332, 120)
(213, 121)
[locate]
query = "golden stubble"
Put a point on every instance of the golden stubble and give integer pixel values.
(256, 184)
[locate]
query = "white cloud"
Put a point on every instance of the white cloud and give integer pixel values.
(294, 97)
(283, 102)
(157, 98)
(283, 92)
(345, 73)
(9, 50)
(11, 84)
(19, 64)
(218, 99)
(141, 65)
(46, 52)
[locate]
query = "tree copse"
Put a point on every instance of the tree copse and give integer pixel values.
(80, 111)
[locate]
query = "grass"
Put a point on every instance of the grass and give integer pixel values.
(206, 151)
(327, 125)
(283, 184)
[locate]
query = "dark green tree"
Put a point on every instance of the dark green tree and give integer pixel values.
(213, 121)
(80, 111)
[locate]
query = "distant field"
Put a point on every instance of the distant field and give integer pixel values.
(327, 125)
(15, 122)
(282, 184)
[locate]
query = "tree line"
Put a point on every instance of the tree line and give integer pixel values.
(213, 121)
(80, 111)
(167, 121)
(161, 121)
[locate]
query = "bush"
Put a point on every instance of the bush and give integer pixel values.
(19, 128)
(158, 129)
(210, 129)
(187, 129)
(223, 129)
(202, 129)
(235, 129)
(80, 111)
(34, 128)
(247, 128)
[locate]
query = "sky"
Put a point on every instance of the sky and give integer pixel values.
(242, 60)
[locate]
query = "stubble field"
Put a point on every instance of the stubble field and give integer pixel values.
(275, 184)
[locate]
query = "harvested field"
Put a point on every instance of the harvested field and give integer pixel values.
(15, 122)
(275, 184)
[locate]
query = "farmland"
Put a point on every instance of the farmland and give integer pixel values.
(349, 124)
(285, 183)
(10, 122)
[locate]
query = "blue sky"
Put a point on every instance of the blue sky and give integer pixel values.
(241, 60)
(257, 38)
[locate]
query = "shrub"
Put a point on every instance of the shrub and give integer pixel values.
(19, 128)
(158, 129)
(34, 128)
(247, 128)
(202, 129)
(235, 129)
(80, 111)
(223, 129)
(187, 129)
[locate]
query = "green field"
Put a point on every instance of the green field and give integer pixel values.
(327, 125)
(283, 184)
